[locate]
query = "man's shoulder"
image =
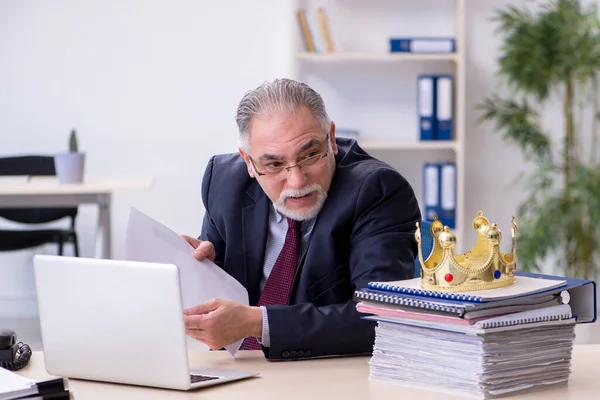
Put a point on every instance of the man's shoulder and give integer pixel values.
(354, 164)
(229, 164)
(227, 159)
(227, 173)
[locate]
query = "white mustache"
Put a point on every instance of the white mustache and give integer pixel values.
(299, 192)
(306, 214)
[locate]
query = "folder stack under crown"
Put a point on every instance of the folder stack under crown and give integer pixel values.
(482, 344)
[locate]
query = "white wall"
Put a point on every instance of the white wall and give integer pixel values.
(151, 86)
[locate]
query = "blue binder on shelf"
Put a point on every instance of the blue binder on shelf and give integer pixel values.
(447, 203)
(444, 93)
(426, 103)
(423, 45)
(431, 190)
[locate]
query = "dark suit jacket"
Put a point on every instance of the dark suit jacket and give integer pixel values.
(365, 232)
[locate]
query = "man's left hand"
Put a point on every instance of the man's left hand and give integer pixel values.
(218, 323)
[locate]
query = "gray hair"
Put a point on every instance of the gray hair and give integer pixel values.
(281, 96)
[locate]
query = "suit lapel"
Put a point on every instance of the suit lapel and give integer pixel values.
(254, 227)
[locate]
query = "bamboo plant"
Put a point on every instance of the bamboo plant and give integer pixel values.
(550, 55)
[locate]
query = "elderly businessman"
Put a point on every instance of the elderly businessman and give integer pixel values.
(302, 219)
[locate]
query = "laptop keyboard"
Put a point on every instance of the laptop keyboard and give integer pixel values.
(202, 378)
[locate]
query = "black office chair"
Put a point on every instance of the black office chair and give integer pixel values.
(11, 240)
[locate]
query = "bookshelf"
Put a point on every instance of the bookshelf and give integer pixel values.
(366, 87)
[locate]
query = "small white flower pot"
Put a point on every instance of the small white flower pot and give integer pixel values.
(70, 167)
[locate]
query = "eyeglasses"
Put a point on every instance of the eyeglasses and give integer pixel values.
(274, 168)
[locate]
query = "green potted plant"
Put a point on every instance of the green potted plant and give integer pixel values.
(70, 166)
(553, 54)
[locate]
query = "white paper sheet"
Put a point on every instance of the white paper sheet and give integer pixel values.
(11, 382)
(149, 241)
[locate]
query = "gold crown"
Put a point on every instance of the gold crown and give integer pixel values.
(483, 267)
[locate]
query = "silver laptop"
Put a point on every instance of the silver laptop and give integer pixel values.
(117, 321)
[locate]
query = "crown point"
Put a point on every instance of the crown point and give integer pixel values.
(493, 235)
(436, 228)
(481, 223)
(435, 217)
(447, 239)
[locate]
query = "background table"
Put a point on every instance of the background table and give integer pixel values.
(333, 378)
(47, 192)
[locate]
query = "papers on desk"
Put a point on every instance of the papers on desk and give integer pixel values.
(14, 386)
(148, 240)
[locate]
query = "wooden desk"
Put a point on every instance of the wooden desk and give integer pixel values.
(335, 378)
(47, 192)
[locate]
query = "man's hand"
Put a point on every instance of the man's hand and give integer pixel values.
(203, 249)
(218, 323)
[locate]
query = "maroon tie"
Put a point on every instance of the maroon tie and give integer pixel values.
(279, 284)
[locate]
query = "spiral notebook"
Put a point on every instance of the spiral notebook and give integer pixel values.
(554, 315)
(425, 304)
(523, 286)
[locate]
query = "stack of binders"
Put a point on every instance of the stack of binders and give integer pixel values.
(435, 99)
(439, 192)
(481, 344)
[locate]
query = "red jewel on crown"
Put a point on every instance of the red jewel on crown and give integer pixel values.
(448, 278)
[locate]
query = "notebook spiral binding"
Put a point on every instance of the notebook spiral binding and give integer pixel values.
(426, 293)
(408, 302)
(500, 324)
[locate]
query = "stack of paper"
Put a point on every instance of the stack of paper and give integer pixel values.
(473, 344)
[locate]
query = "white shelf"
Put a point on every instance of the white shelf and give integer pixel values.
(384, 57)
(399, 145)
